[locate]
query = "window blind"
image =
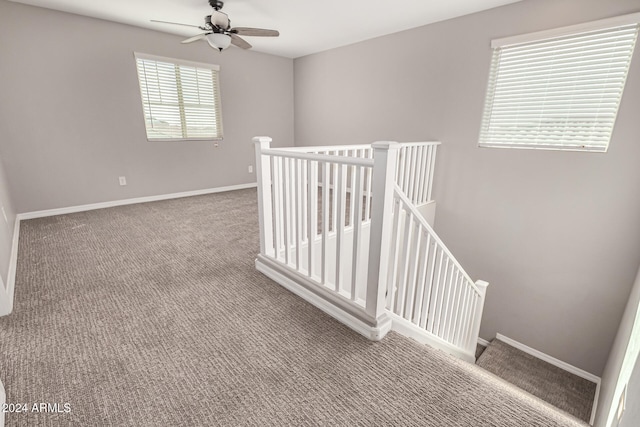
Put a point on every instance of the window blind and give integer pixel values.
(180, 100)
(558, 93)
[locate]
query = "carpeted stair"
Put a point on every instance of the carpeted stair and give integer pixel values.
(556, 386)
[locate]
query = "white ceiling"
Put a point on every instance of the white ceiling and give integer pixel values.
(306, 26)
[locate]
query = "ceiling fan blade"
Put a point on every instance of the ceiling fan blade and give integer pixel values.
(194, 38)
(177, 23)
(239, 41)
(255, 32)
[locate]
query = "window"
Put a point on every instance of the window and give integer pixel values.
(558, 89)
(180, 99)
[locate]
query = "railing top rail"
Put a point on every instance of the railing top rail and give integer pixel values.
(309, 149)
(409, 144)
(342, 160)
(418, 217)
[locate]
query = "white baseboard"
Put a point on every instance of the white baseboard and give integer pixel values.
(595, 404)
(368, 331)
(483, 342)
(549, 359)
(560, 364)
(13, 263)
(122, 202)
(7, 301)
(3, 400)
(409, 330)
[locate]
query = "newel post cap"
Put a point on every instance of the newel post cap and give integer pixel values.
(261, 139)
(384, 145)
(482, 286)
(481, 283)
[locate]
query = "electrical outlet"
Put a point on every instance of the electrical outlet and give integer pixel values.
(123, 180)
(250, 168)
(216, 145)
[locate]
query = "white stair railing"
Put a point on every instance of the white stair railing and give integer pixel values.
(339, 226)
(317, 229)
(414, 173)
(429, 292)
(415, 164)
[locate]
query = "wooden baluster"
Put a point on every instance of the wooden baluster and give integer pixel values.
(425, 317)
(341, 189)
(286, 202)
(312, 213)
(412, 176)
(298, 205)
(305, 204)
(404, 281)
(395, 255)
(432, 164)
(277, 208)
(413, 277)
(325, 222)
(422, 177)
(357, 230)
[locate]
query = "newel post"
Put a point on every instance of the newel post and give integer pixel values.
(265, 211)
(475, 328)
(384, 171)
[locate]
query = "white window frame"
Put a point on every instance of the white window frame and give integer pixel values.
(499, 138)
(216, 102)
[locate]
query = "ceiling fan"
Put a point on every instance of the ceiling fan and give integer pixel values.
(219, 33)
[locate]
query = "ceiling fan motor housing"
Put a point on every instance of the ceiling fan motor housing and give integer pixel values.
(219, 33)
(219, 22)
(216, 4)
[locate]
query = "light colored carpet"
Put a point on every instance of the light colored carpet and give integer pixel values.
(479, 350)
(154, 315)
(554, 385)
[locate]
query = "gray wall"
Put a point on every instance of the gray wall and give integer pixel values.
(71, 117)
(555, 233)
(623, 358)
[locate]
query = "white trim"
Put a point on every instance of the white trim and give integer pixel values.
(560, 364)
(408, 329)
(3, 400)
(13, 263)
(6, 305)
(368, 331)
(549, 359)
(483, 342)
(122, 202)
(545, 147)
(595, 403)
(140, 55)
(632, 18)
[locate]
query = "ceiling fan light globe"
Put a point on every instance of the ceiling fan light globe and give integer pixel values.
(219, 41)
